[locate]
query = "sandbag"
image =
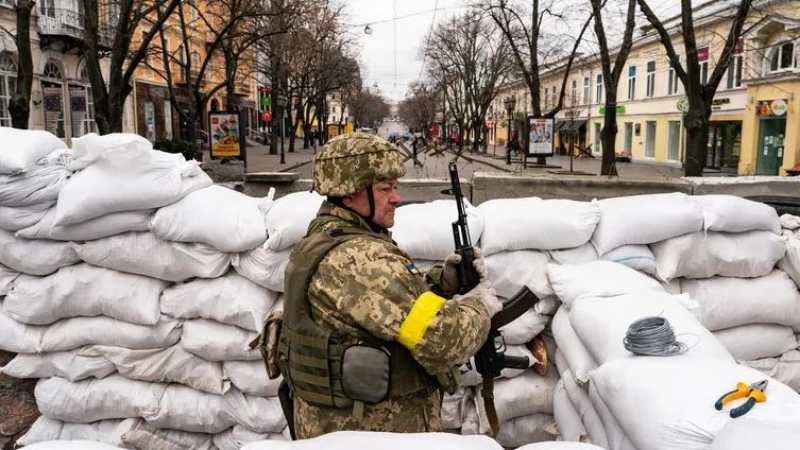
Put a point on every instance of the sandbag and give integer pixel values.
(144, 254)
(100, 227)
(679, 414)
(115, 148)
(113, 397)
(579, 398)
(638, 257)
(71, 366)
(16, 218)
(106, 431)
(584, 253)
(39, 185)
(453, 408)
(526, 429)
(758, 341)
(22, 148)
(106, 186)
(785, 368)
(220, 217)
(559, 446)
(251, 378)
(186, 409)
(288, 218)
(578, 358)
(734, 214)
(85, 290)
(747, 434)
(214, 341)
(424, 230)
(791, 260)
(260, 414)
(230, 299)
(238, 436)
(601, 323)
(145, 437)
(730, 302)
(617, 438)
(790, 222)
(533, 223)
(168, 365)
(264, 267)
(34, 257)
(704, 255)
(7, 277)
(645, 219)
(349, 440)
(69, 334)
(511, 271)
(17, 337)
(524, 328)
(571, 282)
(526, 394)
(570, 425)
(72, 445)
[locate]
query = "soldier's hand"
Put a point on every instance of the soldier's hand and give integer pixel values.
(487, 295)
(450, 281)
(480, 264)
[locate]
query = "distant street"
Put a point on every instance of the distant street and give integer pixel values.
(388, 128)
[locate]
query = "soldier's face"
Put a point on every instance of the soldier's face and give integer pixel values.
(387, 198)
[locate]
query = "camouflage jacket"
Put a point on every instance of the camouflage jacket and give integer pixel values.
(371, 285)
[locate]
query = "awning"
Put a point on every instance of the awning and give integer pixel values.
(572, 125)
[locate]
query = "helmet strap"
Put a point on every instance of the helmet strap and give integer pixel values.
(371, 199)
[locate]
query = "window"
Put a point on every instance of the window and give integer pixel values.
(651, 79)
(7, 3)
(555, 97)
(650, 140)
(702, 58)
(628, 146)
(574, 92)
(51, 70)
(88, 124)
(586, 99)
(782, 57)
(672, 79)
(631, 82)
(674, 141)
(597, 142)
(598, 89)
(8, 84)
(735, 68)
(546, 97)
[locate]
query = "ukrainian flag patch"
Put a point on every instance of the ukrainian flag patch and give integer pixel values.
(413, 269)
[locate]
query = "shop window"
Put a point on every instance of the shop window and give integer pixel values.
(782, 57)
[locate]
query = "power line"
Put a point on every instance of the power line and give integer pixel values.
(394, 19)
(427, 41)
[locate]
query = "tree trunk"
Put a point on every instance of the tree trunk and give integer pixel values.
(696, 144)
(608, 135)
(20, 105)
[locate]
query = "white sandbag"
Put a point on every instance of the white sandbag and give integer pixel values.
(524, 328)
(144, 254)
(645, 219)
(734, 214)
(14, 218)
(158, 180)
(41, 184)
(511, 271)
(680, 413)
(572, 282)
(100, 227)
(167, 365)
(71, 366)
(17, 337)
(533, 223)
(220, 217)
(34, 257)
(113, 397)
(251, 378)
(791, 260)
(22, 148)
(214, 341)
(617, 438)
(579, 399)
(288, 218)
(526, 429)
(638, 257)
(526, 394)
(183, 408)
(790, 222)
(7, 277)
(230, 299)
(570, 425)
(238, 436)
(601, 324)
(114, 148)
(260, 414)
(145, 437)
(453, 408)
(785, 369)
(69, 334)
(704, 255)
(424, 230)
(72, 445)
(471, 377)
(106, 431)
(349, 440)
(758, 341)
(580, 361)
(584, 253)
(730, 302)
(747, 434)
(264, 267)
(85, 290)
(559, 446)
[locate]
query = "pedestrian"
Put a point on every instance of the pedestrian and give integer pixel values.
(368, 342)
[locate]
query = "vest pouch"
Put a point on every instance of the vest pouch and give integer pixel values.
(366, 373)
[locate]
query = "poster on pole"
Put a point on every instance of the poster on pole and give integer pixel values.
(540, 137)
(225, 134)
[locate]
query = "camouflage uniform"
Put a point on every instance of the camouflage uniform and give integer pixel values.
(370, 285)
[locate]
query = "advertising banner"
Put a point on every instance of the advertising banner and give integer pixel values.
(540, 136)
(225, 134)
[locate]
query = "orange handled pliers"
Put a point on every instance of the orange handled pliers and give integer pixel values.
(754, 393)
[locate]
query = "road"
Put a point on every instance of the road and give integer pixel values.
(392, 127)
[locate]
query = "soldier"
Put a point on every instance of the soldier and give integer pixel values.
(367, 341)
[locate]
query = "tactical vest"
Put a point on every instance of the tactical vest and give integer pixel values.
(310, 356)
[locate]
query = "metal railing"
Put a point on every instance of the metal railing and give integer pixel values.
(68, 22)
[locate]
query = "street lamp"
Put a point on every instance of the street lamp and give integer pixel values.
(280, 102)
(510, 103)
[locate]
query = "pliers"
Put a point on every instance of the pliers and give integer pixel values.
(754, 393)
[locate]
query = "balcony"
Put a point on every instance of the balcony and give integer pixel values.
(65, 27)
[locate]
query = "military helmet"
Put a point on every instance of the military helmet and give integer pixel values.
(350, 162)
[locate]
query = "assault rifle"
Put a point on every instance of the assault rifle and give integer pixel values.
(491, 358)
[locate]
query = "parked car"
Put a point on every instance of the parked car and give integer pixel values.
(364, 130)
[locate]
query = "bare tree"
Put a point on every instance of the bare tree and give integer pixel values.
(20, 105)
(700, 95)
(611, 76)
(419, 107)
(368, 108)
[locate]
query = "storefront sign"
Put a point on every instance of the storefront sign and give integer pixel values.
(682, 104)
(224, 134)
(771, 108)
(620, 109)
(540, 137)
(266, 116)
(721, 101)
(778, 107)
